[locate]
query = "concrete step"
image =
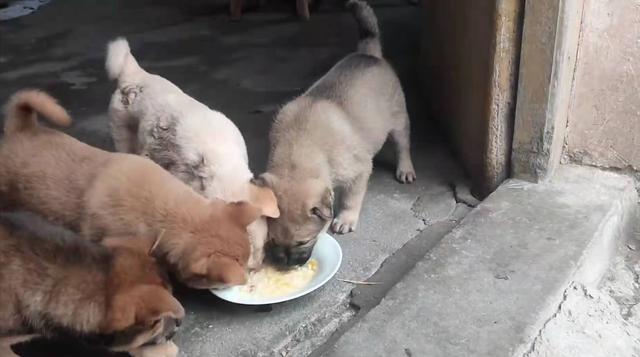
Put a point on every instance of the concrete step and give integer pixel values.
(491, 284)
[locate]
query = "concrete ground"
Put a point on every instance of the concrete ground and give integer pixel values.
(520, 276)
(598, 321)
(247, 69)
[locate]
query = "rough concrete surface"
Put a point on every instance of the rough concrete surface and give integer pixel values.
(588, 323)
(19, 8)
(598, 322)
(489, 287)
(245, 69)
(604, 122)
(366, 296)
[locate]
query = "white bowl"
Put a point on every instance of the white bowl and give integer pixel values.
(327, 253)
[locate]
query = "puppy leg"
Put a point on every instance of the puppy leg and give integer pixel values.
(124, 128)
(7, 342)
(236, 9)
(167, 349)
(347, 219)
(6, 351)
(257, 236)
(405, 172)
(124, 134)
(303, 9)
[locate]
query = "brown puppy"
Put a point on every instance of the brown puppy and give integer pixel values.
(327, 138)
(111, 194)
(61, 284)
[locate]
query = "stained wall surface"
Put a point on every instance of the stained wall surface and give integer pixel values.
(604, 117)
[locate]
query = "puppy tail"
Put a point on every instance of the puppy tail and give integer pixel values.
(368, 27)
(20, 111)
(120, 62)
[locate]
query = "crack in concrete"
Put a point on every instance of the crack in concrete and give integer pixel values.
(557, 311)
(419, 215)
(429, 214)
(318, 334)
(363, 299)
(314, 334)
(627, 306)
(628, 310)
(457, 197)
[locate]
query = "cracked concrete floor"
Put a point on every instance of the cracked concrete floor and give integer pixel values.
(244, 69)
(598, 321)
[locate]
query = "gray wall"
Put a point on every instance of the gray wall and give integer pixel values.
(604, 118)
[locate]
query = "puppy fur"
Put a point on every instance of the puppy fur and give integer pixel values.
(327, 138)
(102, 194)
(60, 283)
(150, 116)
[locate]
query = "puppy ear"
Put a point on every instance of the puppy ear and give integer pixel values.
(265, 199)
(227, 271)
(324, 209)
(155, 303)
(199, 267)
(220, 270)
(121, 314)
(243, 212)
(141, 305)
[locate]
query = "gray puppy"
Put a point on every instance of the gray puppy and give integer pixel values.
(327, 138)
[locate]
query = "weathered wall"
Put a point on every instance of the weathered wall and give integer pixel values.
(604, 117)
(470, 51)
(550, 37)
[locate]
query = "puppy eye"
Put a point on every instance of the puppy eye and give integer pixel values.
(315, 211)
(299, 244)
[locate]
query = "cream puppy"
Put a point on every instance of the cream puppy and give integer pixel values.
(151, 116)
(327, 138)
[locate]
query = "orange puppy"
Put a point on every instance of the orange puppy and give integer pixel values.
(57, 283)
(100, 194)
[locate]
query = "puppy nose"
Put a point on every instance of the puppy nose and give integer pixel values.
(298, 257)
(178, 322)
(299, 260)
(277, 255)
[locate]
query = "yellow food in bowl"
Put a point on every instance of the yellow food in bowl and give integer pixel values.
(270, 282)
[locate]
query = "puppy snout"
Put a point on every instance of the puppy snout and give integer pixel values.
(277, 255)
(170, 327)
(170, 335)
(299, 256)
(288, 256)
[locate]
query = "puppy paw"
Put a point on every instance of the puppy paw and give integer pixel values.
(406, 173)
(345, 222)
(255, 259)
(167, 349)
